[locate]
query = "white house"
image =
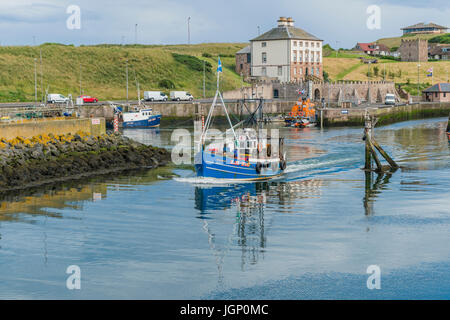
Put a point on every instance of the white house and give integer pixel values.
(286, 53)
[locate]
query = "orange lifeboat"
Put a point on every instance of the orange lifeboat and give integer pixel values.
(303, 112)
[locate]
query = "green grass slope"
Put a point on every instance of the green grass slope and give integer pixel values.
(103, 69)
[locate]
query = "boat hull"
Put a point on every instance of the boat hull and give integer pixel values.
(219, 167)
(151, 122)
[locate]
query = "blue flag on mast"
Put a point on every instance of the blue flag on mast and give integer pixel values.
(219, 66)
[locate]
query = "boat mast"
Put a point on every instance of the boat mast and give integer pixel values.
(210, 114)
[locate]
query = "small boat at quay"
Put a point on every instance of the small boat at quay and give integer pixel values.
(143, 118)
(302, 115)
(242, 153)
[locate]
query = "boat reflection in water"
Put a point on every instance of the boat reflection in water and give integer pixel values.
(233, 215)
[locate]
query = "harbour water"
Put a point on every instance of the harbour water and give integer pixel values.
(312, 234)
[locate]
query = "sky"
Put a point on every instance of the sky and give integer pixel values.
(340, 23)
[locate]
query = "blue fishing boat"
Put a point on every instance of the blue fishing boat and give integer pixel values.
(143, 118)
(246, 153)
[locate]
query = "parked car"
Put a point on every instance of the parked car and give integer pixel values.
(56, 98)
(389, 99)
(181, 96)
(88, 99)
(155, 96)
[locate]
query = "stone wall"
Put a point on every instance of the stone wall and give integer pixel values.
(385, 115)
(31, 128)
(343, 91)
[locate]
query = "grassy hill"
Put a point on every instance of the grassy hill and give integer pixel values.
(103, 69)
(396, 41)
(354, 69)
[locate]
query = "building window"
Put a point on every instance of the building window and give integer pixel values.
(264, 57)
(318, 71)
(294, 56)
(263, 71)
(280, 70)
(306, 44)
(445, 94)
(300, 43)
(301, 70)
(263, 44)
(300, 56)
(249, 57)
(242, 66)
(295, 43)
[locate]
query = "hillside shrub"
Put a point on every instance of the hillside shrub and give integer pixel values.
(166, 83)
(192, 62)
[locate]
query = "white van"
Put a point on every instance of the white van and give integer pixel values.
(56, 98)
(181, 96)
(389, 99)
(155, 96)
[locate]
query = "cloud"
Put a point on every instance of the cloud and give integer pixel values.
(108, 21)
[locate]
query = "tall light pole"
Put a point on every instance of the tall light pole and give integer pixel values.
(35, 81)
(368, 83)
(204, 80)
(418, 80)
(42, 81)
(189, 29)
(126, 67)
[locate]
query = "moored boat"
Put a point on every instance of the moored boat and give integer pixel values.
(143, 118)
(303, 114)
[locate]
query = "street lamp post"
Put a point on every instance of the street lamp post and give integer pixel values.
(135, 33)
(189, 30)
(418, 80)
(80, 80)
(35, 81)
(127, 78)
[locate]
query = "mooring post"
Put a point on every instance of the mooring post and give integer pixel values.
(367, 137)
(375, 156)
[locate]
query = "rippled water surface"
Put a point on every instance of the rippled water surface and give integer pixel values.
(309, 235)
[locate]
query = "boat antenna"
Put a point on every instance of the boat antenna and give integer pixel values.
(217, 96)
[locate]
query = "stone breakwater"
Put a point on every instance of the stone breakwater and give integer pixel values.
(50, 158)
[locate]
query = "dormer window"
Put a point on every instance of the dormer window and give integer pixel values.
(263, 44)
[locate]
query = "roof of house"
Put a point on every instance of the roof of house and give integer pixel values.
(381, 47)
(365, 46)
(286, 32)
(438, 49)
(439, 87)
(244, 50)
(423, 25)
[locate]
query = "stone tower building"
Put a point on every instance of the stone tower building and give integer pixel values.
(414, 50)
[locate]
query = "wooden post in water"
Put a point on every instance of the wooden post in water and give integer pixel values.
(384, 154)
(371, 145)
(367, 135)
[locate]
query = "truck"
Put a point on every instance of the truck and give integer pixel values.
(155, 96)
(389, 99)
(181, 96)
(57, 98)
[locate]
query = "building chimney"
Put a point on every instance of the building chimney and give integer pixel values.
(282, 22)
(290, 22)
